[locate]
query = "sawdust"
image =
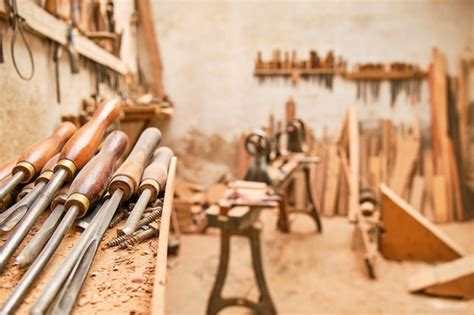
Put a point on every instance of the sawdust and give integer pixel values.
(119, 282)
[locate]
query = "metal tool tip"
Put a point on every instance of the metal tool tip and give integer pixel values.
(122, 231)
(22, 261)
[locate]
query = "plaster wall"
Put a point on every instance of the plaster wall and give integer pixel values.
(209, 48)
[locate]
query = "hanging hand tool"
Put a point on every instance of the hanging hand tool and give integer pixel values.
(57, 54)
(35, 157)
(36, 244)
(123, 185)
(86, 189)
(74, 155)
(153, 182)
(10, 218)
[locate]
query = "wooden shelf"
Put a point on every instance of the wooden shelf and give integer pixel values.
(49, 26)
(384, 75)
(300, 72)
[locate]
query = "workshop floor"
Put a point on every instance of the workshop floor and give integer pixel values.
(307, 273)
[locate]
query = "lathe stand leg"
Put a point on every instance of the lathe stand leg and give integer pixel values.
(313, 211)
(216, 302)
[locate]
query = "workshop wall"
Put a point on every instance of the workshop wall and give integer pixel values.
(209, 48)
(28, 109)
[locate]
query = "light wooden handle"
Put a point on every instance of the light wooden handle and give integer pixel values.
(155, 174)
(92, 180)
(127, 177)
(83, 145)
(33, 159)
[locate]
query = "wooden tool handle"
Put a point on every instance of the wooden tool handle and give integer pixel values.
(60, 197)
(48, 169)
(92, 180)
(7, 168)
(155, 174)
(83, 145)
(32, 160)
(128, 176)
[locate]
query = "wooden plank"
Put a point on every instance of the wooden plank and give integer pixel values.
(332, 178)
(299, 189)
(353, 128)
(158, 301)
(463, 111)
(440, 203)
(453, 279)
(428, 173)
(455, 182)
(290, 110)
(364, 159)
(343, 191)
(408, 235)
(319, 178)
(147, 28)
(49, 26)
(417, 193)
(374, 172)
(405, 162)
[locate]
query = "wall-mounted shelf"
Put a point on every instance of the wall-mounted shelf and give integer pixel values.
(384, 75)
(49, 26)
(300, 72)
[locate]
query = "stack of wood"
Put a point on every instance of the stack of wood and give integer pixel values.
(189, 203)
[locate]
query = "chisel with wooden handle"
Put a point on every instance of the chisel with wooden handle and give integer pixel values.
(32, 160)
(74, 155)
(10, 218)
(36, 244)
(123, 185)
(152, 183)
(86, 189)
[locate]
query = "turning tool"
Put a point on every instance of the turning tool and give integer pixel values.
(10, 218)
(74, 155)
(7, 168)
(36, 244)
(86, 189)
(123, 185)
(153, 182)
(35, 157)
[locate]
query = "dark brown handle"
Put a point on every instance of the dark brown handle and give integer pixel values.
(60, 197)
(48, 169)
(83, 145)
(155, 174)
(92, 180)
(128, 176)
(32, 160)
(7, 168)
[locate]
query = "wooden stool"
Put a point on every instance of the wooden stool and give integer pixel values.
(238, 221)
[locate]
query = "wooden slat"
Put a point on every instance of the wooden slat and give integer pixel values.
(159, 285)
(405, 162)
(417, 193)
(451, 279)
(332, 178)
(49, 26)
(353, 128)
(440, 203)
(408, 235)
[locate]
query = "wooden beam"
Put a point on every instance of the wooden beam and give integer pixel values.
(453, 279)
(332, 178)
(408, 235)
(353, 128)
(159, 284)
(49, 26)
(417, 193)
(152, 47)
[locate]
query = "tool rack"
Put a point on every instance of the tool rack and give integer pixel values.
(120, 281)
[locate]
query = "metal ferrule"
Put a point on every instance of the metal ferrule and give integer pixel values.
(151, 185)
(125, 184)
(28, 170)
(78, 200)
(45, 176)
(67, 165)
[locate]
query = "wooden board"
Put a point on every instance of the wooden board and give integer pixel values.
(353, 128)
(409, 235)
(452, 279)
(440, 203)
(49, 26)
(405, 162)
(417, 193)
(332, 179)
(159, 284)
(299, 190)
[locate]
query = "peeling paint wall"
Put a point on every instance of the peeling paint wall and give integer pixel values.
(28, 109)
(209, 47)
